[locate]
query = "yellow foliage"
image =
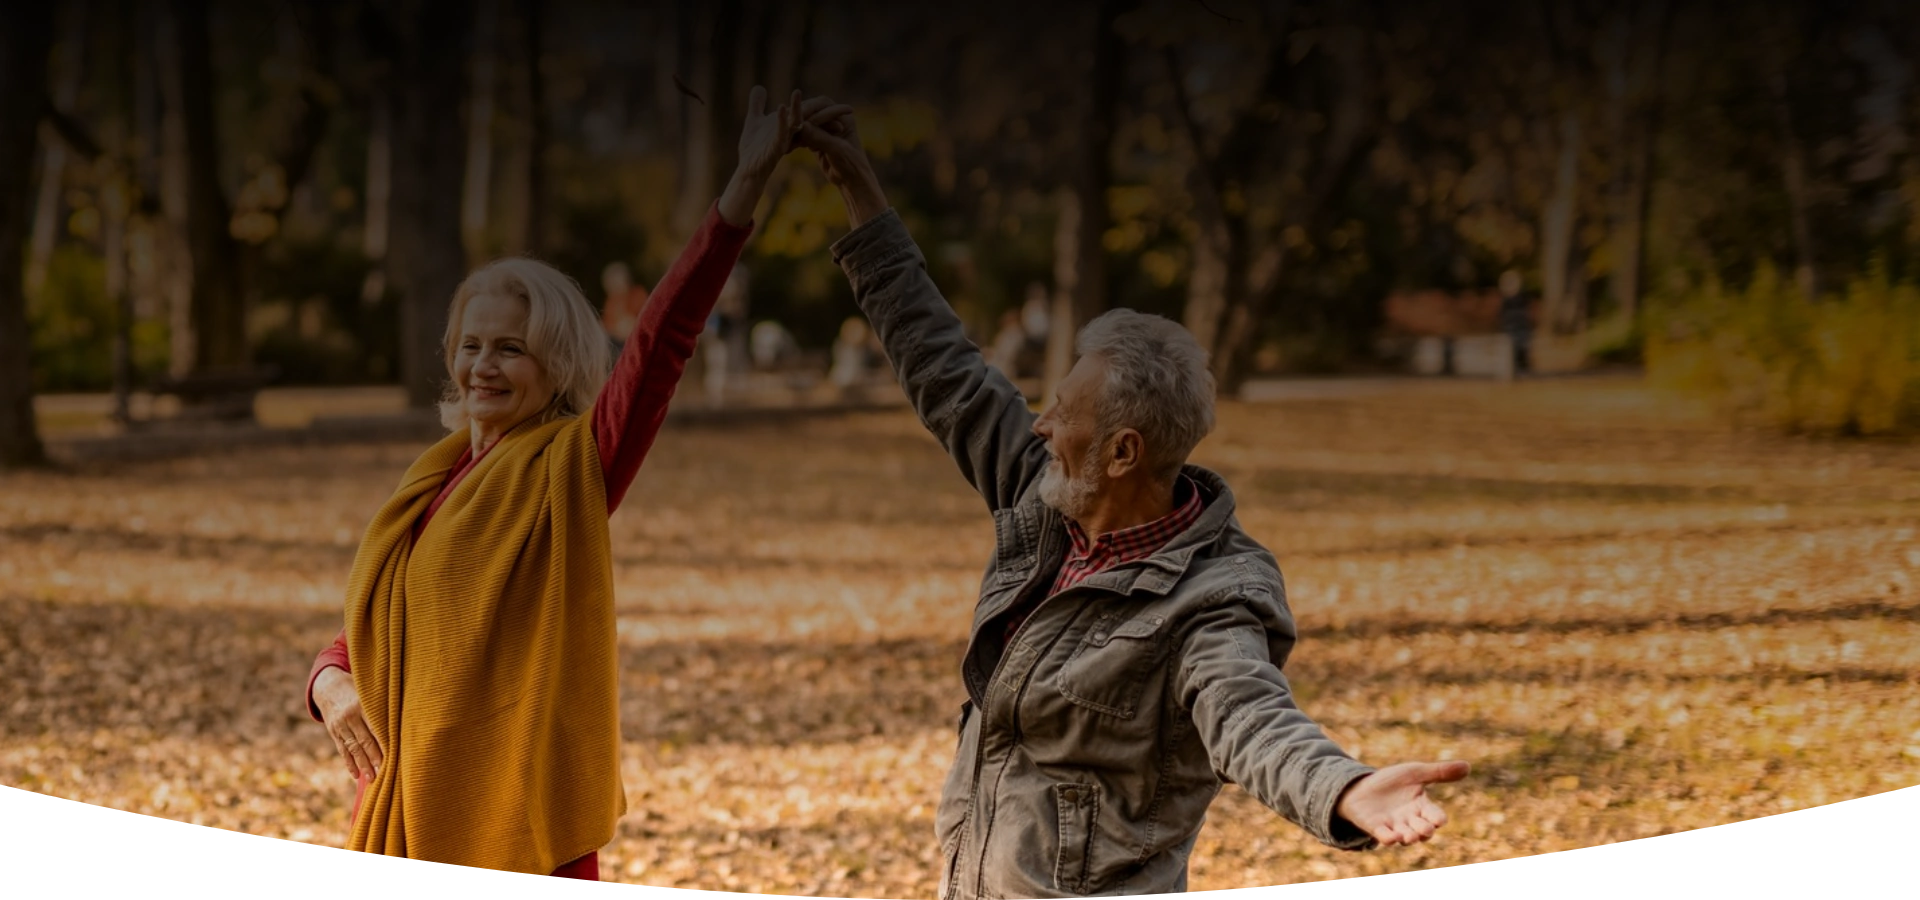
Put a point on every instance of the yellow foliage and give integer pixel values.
(1846, 365)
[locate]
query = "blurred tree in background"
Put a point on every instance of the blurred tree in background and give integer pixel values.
(208, 185)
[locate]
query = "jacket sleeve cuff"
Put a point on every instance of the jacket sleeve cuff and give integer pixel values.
(872, 244)
(1335, 831)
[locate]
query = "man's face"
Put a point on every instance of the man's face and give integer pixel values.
(1078, 471)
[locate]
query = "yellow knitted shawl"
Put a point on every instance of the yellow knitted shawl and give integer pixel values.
(485, 657)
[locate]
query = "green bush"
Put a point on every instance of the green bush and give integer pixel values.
(72, 322)
(1849, 364)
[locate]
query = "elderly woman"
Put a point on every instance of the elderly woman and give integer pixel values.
(474, 691)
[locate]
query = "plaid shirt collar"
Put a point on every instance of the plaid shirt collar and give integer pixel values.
(1091, 556)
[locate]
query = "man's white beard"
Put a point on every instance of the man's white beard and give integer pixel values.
(1073, 497)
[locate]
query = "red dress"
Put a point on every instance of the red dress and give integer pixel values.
(628, 413)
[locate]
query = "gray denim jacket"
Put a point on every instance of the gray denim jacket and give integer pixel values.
(1090, 749)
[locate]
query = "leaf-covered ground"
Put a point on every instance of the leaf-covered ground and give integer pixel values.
(1631, 620)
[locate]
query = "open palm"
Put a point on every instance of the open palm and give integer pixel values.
(1392, 804)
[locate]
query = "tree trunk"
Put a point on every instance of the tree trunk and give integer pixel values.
(216, 310)
(1793, 172)
(151, 285)
(525, 204)
(671, 40)
(1210, 285)
(1350, 136)
(53, 154)
(1208, 282)
(427, 261)
(1061, 325)
(1081, 295)
(25, 31)
(1558, 218)
(117, 192)
(698, 69)
(539, 186)
(479, 172)
(376, 234)
(787, 66)
(1641, 125)
(113, 249)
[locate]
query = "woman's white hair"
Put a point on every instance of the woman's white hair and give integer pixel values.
(1157, 384)
(563, 334)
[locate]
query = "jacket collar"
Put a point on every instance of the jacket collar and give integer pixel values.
(1158, 573)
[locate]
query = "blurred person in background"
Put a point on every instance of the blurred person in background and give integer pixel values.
(1516, 319)
(625, 300)
(773, 345)
(849, 354)
(723, 346)
(1036, 322)
(474, 691)
(1009, 344)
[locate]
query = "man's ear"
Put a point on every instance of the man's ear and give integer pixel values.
(1128, 453)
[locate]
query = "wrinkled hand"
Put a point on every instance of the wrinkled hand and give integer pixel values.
(767, 136)
(764, 140)
(1392, 804)
(844, 161)
(339, 704)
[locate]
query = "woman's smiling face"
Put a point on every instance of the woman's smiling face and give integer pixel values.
(501, 383)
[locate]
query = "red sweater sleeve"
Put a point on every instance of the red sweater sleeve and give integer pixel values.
(632, 406)
(334, 655)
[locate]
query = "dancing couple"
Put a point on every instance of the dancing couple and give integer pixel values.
(1126, 649)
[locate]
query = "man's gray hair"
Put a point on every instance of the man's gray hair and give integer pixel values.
(1157, 384)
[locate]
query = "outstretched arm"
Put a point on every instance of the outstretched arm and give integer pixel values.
(1256, 735)
(1230, 678)
(974, 411)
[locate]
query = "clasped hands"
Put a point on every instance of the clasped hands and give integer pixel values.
(814, 123)
(766, 137)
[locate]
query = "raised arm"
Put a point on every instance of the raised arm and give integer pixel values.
(631, 408)
(974, 411)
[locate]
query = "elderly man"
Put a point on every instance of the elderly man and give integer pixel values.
(1126, 650)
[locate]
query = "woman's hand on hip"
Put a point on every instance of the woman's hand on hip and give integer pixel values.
(339, 703)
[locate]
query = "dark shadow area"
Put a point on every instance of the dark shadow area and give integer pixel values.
(1610, 677)
(184, 546)
(1301, 487)
(1596, 536)
(1876, 608)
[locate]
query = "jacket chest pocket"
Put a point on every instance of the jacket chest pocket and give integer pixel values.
(1110, 667)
